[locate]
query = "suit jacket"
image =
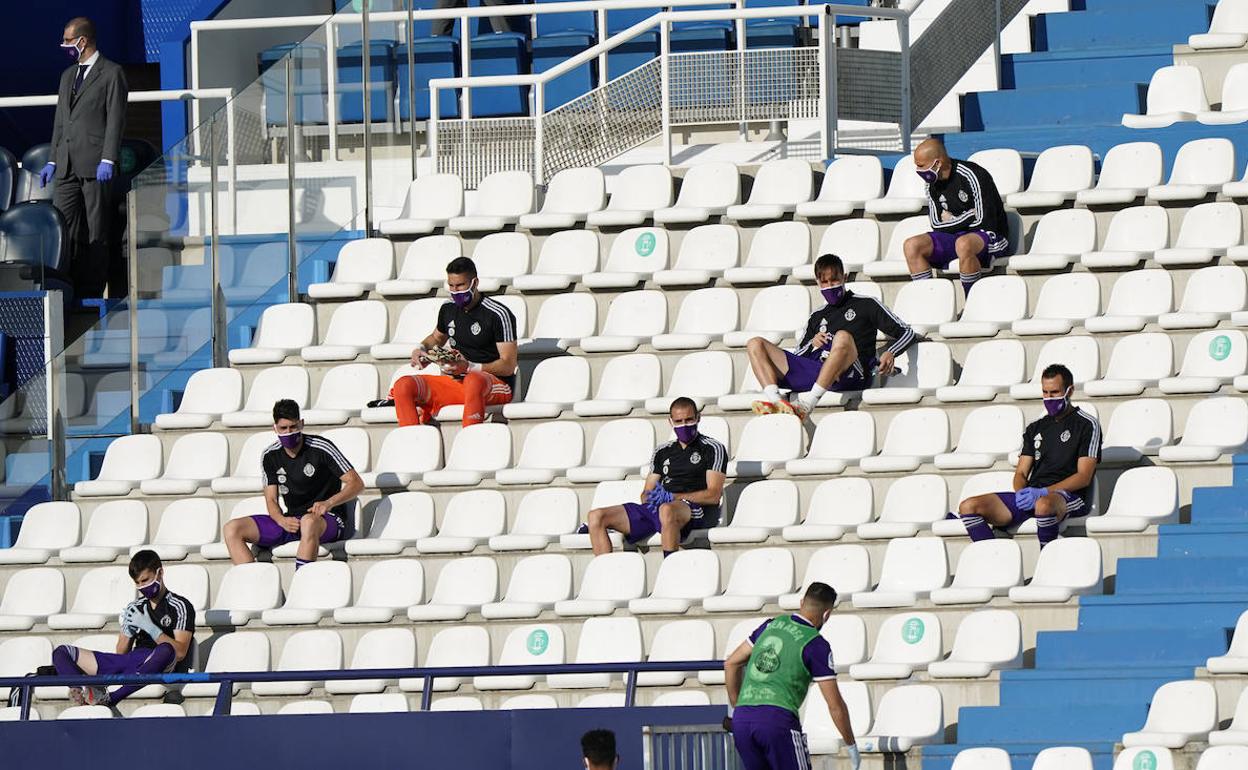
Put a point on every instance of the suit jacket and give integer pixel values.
(88, 126)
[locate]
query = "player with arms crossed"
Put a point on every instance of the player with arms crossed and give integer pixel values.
(767, 677)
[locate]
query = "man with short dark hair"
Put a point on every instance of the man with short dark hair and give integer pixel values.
(157, 631)
(1055, 469)
(474, 344)
(968, 219)
(682, 493)
(316, 483)
(836, 352)
(767, 678)
(598, 749)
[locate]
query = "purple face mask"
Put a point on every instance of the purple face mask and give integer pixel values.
(150, 590)
(929, 175)
(685, 434)
(72, 51)
(462, 298)
(1054, 406)
(290, 440)
(833, 294)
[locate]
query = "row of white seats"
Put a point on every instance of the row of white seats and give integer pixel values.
(1187, 712)
(1076, 758)
(1227, 29)
(914, 569)
(1177, 94)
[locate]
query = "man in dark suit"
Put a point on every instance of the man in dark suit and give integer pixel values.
(86, 147)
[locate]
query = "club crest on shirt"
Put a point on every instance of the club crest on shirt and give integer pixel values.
(695, 458)
(850, 314)
(1065, 436)
(166, 620)
(309, 470)
(476, 328)
(962, 196)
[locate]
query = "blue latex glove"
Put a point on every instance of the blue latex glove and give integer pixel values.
(659, 496)
(104, 172)
(138, 617)
(855, 757)
(1026, 497)
(46, 174)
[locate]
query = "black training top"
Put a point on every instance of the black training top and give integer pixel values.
(1056, 446)
(172, 613)
(683, 469)
(476, 332)
(863, 318)
(970, 196)
(312, 475)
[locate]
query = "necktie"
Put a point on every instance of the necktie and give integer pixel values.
(82, 73)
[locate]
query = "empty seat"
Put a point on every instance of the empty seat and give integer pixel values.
(1059, 173)
(1063, 758)
(1138, 298)
(533, 645)
(1200, 168)
(1234, 107)
(841, 439)
(501, 199)
(763, 509)
(424, 266)
(684, 578)
(610, 581)
(602, 640)
(244, 592)
(360, 266)
(705, 316)
(1227, 29)
(46, 529)
(101, 591)
(1137, 428)
(632, 319)
(705, 253)
(767, 442)
(1134, 234)
(431, 201)
(893, 263)
(270, 385)
(85, 712)
(910, 506)
(343, 393)
(529, 702)
(1064, 302)
(390, 587)
(240, 651)
(846, 567)
(378, 703)
(985, 569)
(848, 183)
(478, 451)
(678, 640)
(499, 258)
(914, 437)
(1211, 295)
(779, 186)
(913, 568)
(759, 577)
(1004, 165)
(1079, 354)
(1223, 758)
(736, 635)
(353, 329)
(990, 368)
(315, 592)
(855, 241)
(570, 197)
(626, 382)
(707, 190)
(1175, 93)
(549, 450)
(398, 521)
(1138, 361)
(209, 394)
(113, 528)
(989, 434)
(987, 640)
(777, 249)
(128, 462)
(563, 320)
(925, 305)
(378, 649)
(1213, 359)
(704, 376)
(906, 191)
(30, 596)
(1180, 713)
(638, 192)
(1208, 231)
(1235, 661)
(463, 586)
(537, 582)
(836, 507)
(775, 312)
(997, 302)
(907, 716)
(565, 257)
(313, 650)
(620, 448)
(1215, 426)
(822, 735)
(1127, 171)
(406, 454)
(1067, 567)
(1142, 497)
(283, 331)
(194, 461)
(919, 371)
(470, 519)
(905, 644)
(555, 385)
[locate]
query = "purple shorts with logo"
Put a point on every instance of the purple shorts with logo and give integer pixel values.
(1074, 506)
(272, 535)
(113, 663)
(804, 371)
(944, 248)
(643, 521)
(766, 746)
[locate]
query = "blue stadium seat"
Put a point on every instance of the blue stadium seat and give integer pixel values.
(552, 49)
(690, 36)
(637, 51)
(503, 53)
(772, 33)
(576, 21)
(34, 255)
(380, 81)
(28, 188)
(8, 178)
(434, 57)
(309, 83)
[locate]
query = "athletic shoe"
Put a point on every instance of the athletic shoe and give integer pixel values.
(792, 407)
(97, 696)
(765, 407)
(583, 529)
(77, 697)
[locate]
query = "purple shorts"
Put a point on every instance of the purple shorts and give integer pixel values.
(113, 663)
(765, 746)
(643, 521)
(272, 535)
(803, 371)
(944, 251)
(1074, 506)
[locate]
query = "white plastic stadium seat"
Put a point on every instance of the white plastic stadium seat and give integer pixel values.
(1207, 232)
(768, 441)
(194, 461)
(632, 319)
(1228, 29)
(1134, 234)
(997, 302)
(779, 186)
(158, 710)
(240, 651)
(431, 201)
(1175, 93)
(1201, 167)
(985, 569)
(1127, 171)
(244, 592)
(314, 650)
(1059, 173)
(469, 520)
(1080, 354)
(602, 640)
(406, 455)
(113, 528)
(610, 581)
(705, 316)
(606, 493)
(1142, 497)
(991, 367)
(822, 735)
(893, 263)
(30, 596)
(1138, 298)
(534, 645)
(907, 716)
(620, 448)
(906, 191)
(836, 507)
(1138, 361)
(905, 643)
(911, 504)
(777, 249)
(398, 521)
(360, 266)
(919, 372)
(1065, 300)
(501, 199)
(1136, 429)
(736, 635)
(270, 385)
(343, 393)
(477, 452)
(353, 329)
(101, 591)
(85, 712)
(209, 394)
(549, 450)
(565, 257)
(638, 192)
(570, 196)
(128, 461)
(1063, 758)
(706, 252)
(707, 190)
(1234, 107)
(424, 266)
(378, 703)
(1212, 294)
(1067, 567)
(759, 577)
(499, 258)
(46, 529)
(987, 641)
(913, 568)
(536, 583)
(1235, 661)
(704, 376)
(914, 437)
(390, 587)
(316, 590)
(1213, 359)
(463, 586)
(676, 641)
(763, 510)
(555, 385)
(626, 383)
(925, 305)
(841, 439)
(845, 567)
(1223, 758)
(1004, 165)
(533, 701)
(684, 579)
(848, 183)
(982, 758)
(855, 241)
(563, 320)
(1180, 713)
(774, 313)
(1215, 426)
(989, 434)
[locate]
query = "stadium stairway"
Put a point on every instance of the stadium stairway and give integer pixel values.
(1165, 617)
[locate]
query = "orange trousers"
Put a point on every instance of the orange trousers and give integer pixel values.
(418, 397)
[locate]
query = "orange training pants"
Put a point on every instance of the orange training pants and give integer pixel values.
(418, 397)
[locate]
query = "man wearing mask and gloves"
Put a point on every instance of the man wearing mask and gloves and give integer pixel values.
(474, 345)
(683, 489)
(1053, 479)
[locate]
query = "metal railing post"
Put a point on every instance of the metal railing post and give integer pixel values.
(602, 57)
(132, 298)
(292, 254)
(331, 83)
(465, 67)
(232, 164)
(216, 301)
(903, 34)
(996, 43)
(411, 84)
(432, 138)
(665, 87)
(630, 689)
(827, 81)
(225, 694)
(54, 328)
(365, 80)
(539, 110)
(426, 694)
(742, 127)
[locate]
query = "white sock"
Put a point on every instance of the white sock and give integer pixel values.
(771, 393)
(810, 398)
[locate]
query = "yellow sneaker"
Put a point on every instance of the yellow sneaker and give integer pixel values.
(793, 408)
(765, 407)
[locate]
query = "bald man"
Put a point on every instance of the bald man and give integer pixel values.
(967, 216)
